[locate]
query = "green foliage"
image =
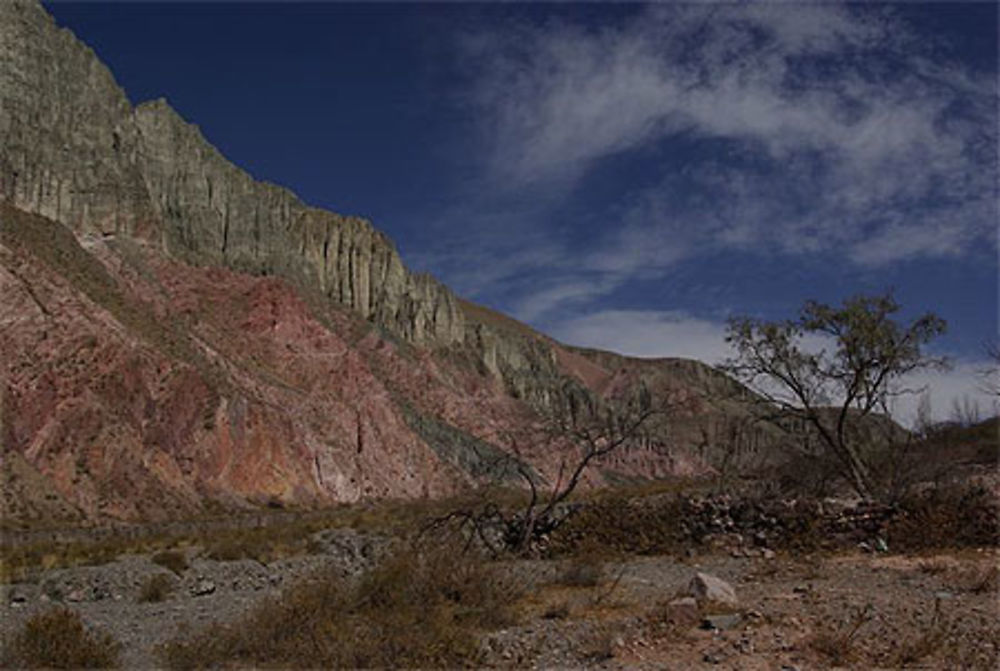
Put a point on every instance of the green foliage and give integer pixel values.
(871, 351)
(57, 639)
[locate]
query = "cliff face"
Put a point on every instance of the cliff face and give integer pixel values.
(69, 140)
(77, 152)
(214, 213)
(172, 323)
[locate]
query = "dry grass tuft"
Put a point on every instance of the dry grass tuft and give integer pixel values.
(584, 570)
(156, 588)
(415, 609)
(837, 645)
(927, 640)
(57, 639)
(599, 644)
(172, 560)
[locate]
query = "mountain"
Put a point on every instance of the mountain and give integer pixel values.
(176, 336)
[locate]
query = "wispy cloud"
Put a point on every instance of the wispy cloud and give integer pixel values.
(646, 333)
(809, 128)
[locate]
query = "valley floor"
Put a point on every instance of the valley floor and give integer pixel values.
(852, 609)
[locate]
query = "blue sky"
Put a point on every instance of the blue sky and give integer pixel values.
(620, 176)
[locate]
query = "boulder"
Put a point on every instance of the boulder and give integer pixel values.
(707, 588)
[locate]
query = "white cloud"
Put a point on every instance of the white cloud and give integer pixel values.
(654, 334)
(962, 384)
(854, 150)
(646, 333)
(560, 295)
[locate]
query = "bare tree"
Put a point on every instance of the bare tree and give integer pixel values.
(833, 393)
(609, 429)
(579, 439)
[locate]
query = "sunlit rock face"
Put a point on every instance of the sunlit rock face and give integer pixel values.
(175, 334)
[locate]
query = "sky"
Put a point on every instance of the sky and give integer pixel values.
(622, 176)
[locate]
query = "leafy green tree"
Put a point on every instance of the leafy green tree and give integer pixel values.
(834, 392)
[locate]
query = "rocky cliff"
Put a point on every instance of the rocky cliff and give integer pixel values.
(172, 323)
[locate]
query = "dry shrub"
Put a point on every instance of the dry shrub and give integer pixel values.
(926, 640)
(21, 563)
(415, 609)
(172, 560)
(623, 527)
(598, 644)
(235, 546)
(57, 639)
(838, 645)
(946, 517)
(583, 570)
(156, 588)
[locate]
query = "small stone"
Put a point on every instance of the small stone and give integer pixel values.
(76, 596)
(203, 588)
(712, 658)
(707, 588)
(767, 553)
(721, 622)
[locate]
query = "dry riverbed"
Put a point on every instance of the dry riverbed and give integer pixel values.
(851, 609)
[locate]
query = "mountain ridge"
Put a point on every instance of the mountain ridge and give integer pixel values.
(219, 299)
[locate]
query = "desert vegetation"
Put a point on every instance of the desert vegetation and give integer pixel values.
(843, 396)
(419, 607)
(867, 546)
(58, 639)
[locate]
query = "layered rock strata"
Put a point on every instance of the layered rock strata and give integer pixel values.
(171, 323)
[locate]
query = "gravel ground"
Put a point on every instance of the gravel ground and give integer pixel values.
(787, 607)
(107, 596)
